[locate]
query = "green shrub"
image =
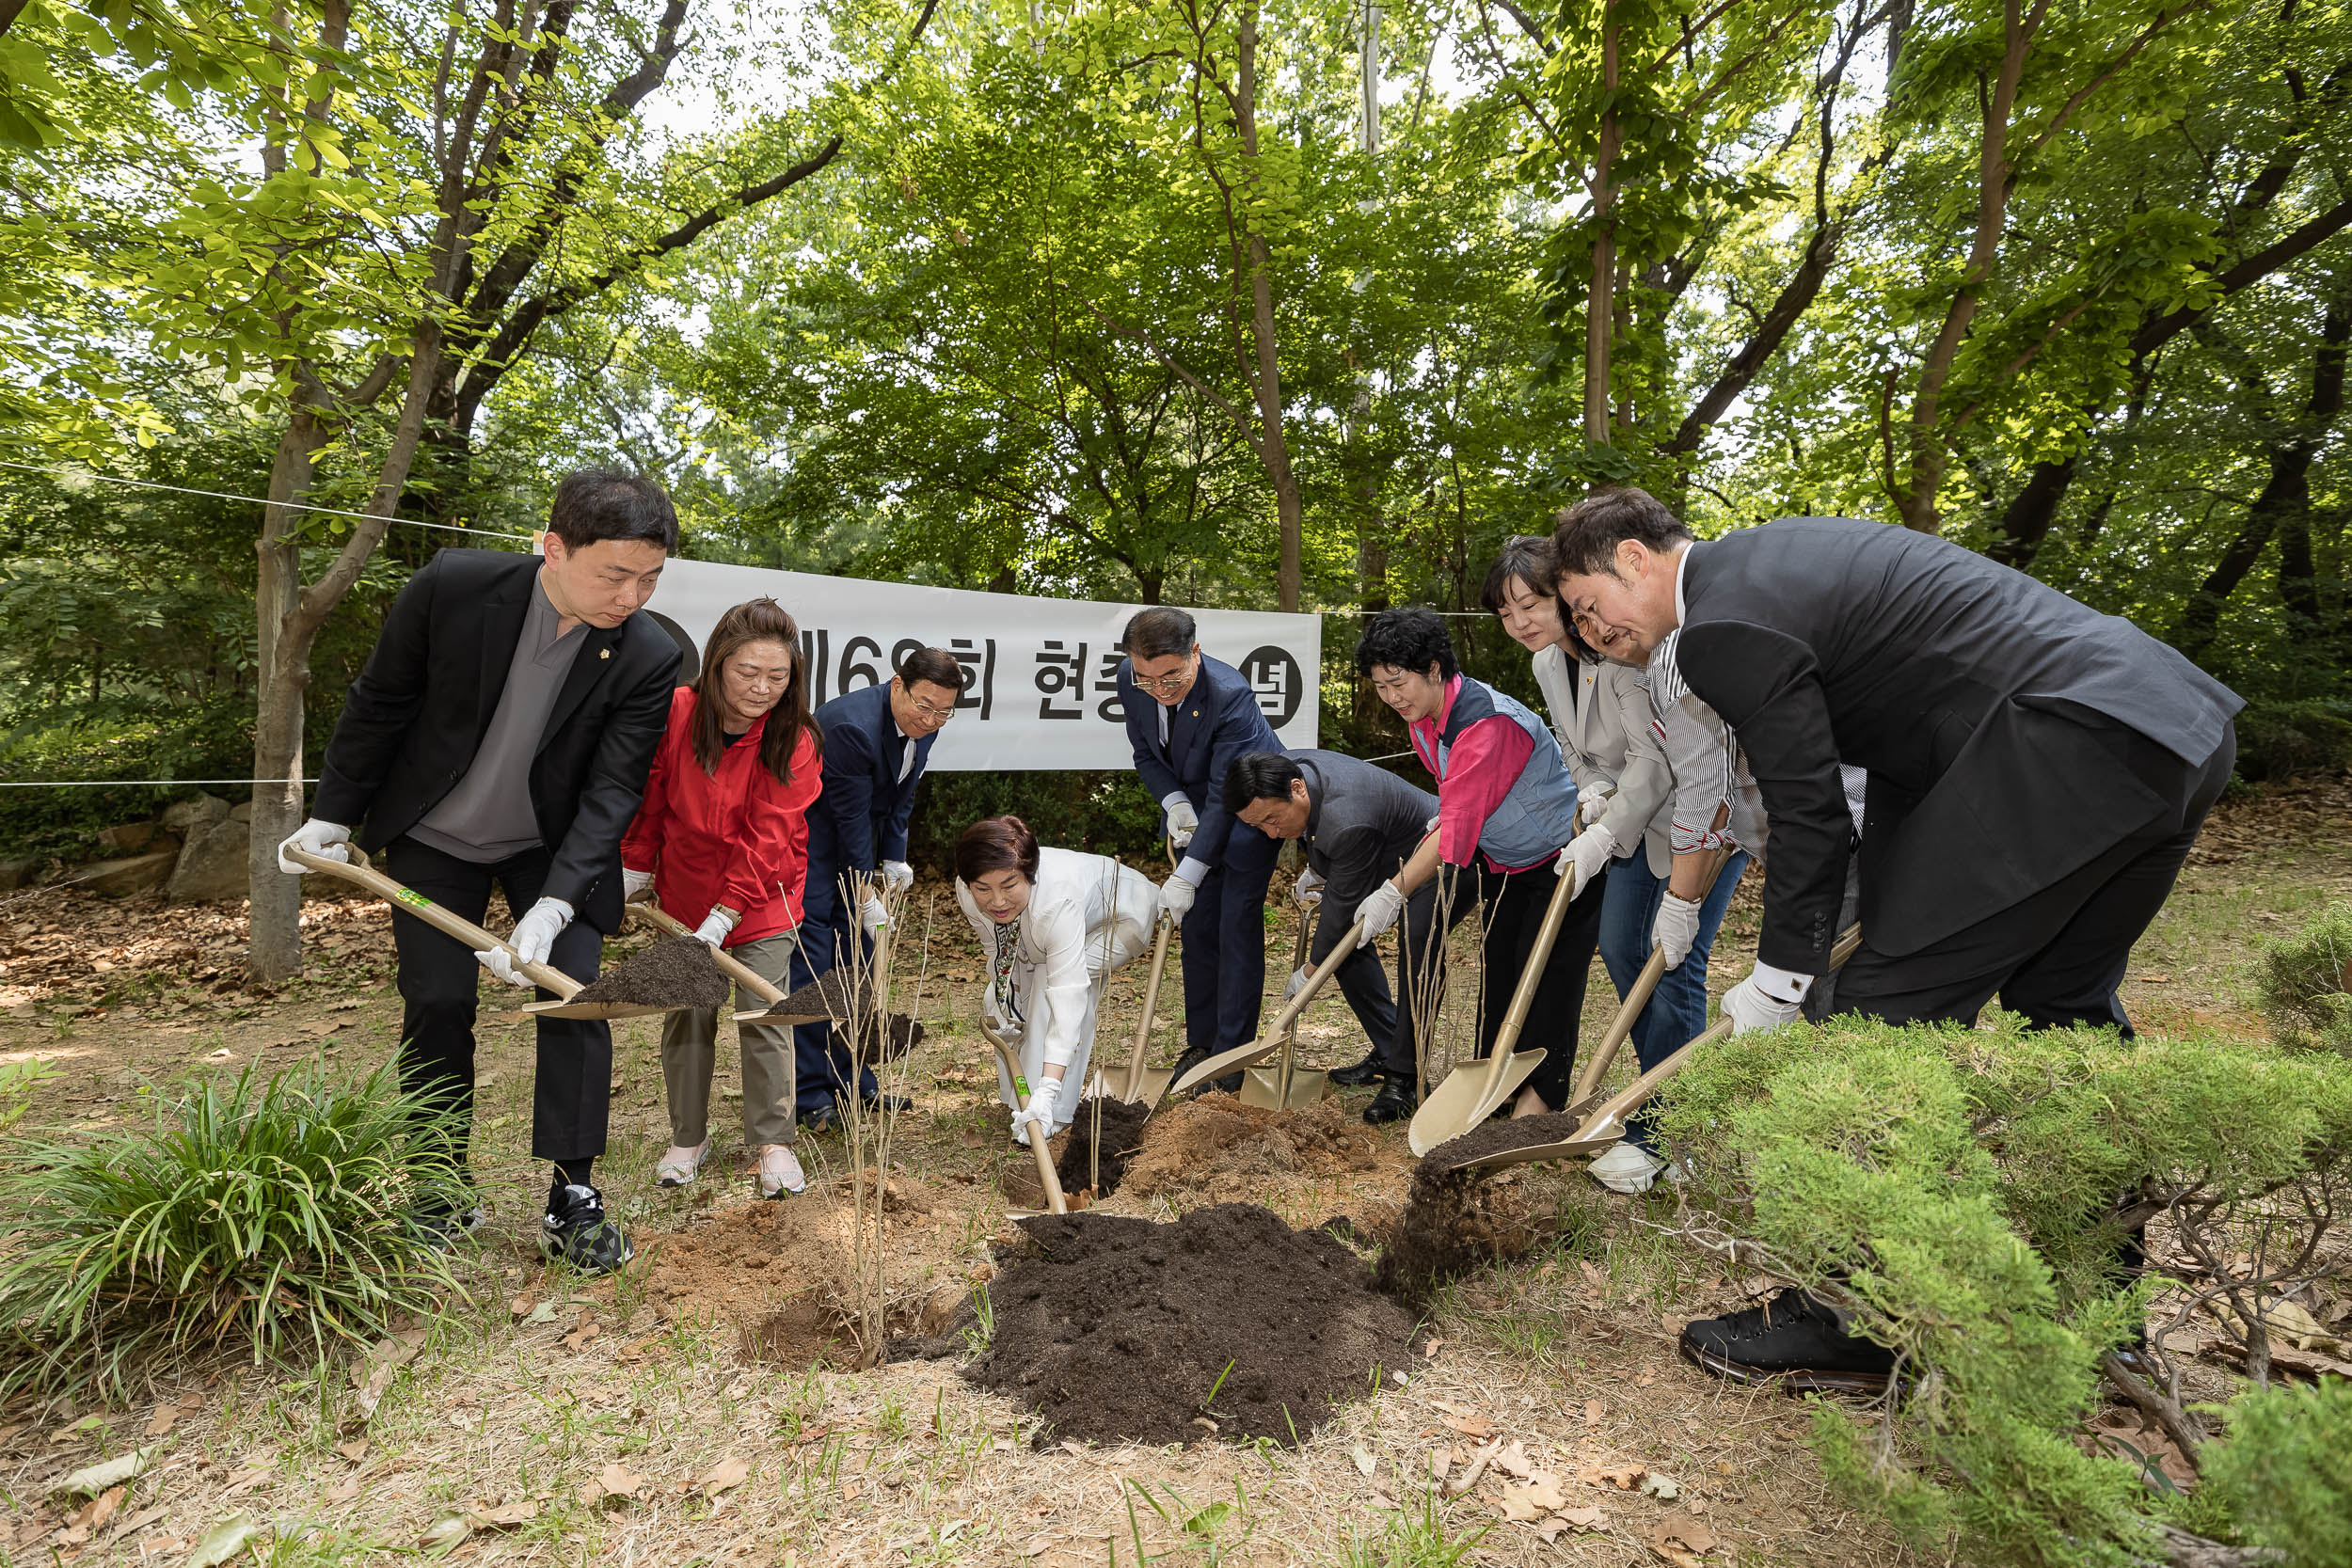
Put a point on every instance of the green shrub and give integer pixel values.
(272, 1214)
(2306, 984)
(1105, 813)
(2286, 1470)
(1963, 1193)
(18, 1080)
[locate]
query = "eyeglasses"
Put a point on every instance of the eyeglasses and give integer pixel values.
(1168, 684)
(942, 714)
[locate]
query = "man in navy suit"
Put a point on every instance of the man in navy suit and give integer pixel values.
(877, 741)
(1188, 718)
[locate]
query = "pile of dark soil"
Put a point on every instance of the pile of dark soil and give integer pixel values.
(827, 996)
(1122, 1134)
(1493, 1137)
(1121, 1328)
(678, 971)
(1455, 1221)
(1202, 1144)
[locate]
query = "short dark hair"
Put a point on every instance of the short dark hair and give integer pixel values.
(996, 844)
(1585, 537)
(1159, 631)
(935, 665)
(1411, 638)
(1527, 558)
(605, 503)
(1260, 776)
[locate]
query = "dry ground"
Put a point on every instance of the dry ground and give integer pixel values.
(696, 1409)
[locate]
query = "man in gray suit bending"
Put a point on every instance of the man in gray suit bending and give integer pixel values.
(1357, 825)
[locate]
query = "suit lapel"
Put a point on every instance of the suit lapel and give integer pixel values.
(589, 666)
(501, 625)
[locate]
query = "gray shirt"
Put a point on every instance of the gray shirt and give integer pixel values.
(488, 814)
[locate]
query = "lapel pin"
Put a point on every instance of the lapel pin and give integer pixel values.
(604, 652)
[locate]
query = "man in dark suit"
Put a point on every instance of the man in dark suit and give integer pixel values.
(2037, 774)
(1188, 717)
(1358, 825)
(877, 741)
(501, 734)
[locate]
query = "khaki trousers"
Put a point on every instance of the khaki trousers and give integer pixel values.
(689, 1049)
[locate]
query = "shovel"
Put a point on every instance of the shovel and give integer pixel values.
(1588, 1078)
(1286, 1087)
(547, 978)
(1149, 1083)
(1604, 1123)
(1039, 1134)
(1272, 1041)
(1472, 1091)
(737, 969)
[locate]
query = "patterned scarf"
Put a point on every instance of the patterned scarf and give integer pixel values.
(1008, 948)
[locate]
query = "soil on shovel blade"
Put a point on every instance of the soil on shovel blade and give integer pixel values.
(1122, 1133)
(1455, 1221)
(1122, 1327)
(1493, 1137)
(677, 971)
(827, 996)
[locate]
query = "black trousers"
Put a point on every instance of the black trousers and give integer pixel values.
(829, 933)
(1514, 904)
(440, 979)
(1224, 953)
(2057, 957)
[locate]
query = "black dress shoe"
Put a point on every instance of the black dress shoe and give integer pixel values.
(1793, 1341)
(891, 1103)
(1357, 1074)
(1395, 1102)
(819, 1120)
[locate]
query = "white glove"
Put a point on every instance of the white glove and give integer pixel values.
(1183, 821)
(871, 915)
(1176, 896)
(715, 926)
(1309, 888)
(1589, 855)
(1675, 929)
(1592, 804)
(1379, 911)
(1748, 1007)
(323, 839)
(635, 884)
(896, 877)
(534, 934)
(1040, 1109)
(501, 964)
(1298, 982)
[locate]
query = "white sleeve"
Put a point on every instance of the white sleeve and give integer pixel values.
(1062, 934)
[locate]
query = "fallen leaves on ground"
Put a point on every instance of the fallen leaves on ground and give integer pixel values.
(504, 1516)
(728, 1473)
(1681, 1540)
(224, 1540)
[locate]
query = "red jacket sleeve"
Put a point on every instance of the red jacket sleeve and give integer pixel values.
(1483, 765)
(640, 846)
(771, 857)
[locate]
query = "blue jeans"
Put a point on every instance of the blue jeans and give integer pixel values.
(1677, 1011)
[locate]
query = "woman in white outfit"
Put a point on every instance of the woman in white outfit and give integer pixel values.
(1053, 924)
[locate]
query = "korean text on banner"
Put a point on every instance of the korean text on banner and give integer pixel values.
(1040, 690)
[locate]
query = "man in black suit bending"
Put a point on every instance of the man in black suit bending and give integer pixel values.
(501, 734)
(2037, 774)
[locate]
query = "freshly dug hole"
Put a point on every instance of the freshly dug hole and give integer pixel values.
(1119, 1329)
(677, 971)
(1123, 1133)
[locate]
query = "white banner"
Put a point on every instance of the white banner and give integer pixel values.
(1041, 691)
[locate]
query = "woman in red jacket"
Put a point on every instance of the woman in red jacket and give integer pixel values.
(722, 840)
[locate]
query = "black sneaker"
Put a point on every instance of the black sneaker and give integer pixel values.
(1395, 1102)
(1793, 1341)
(1359, 1073)
(576, 1231)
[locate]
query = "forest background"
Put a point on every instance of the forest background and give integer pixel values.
(1252, 303)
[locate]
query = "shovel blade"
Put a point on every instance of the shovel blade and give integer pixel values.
(782, 1019)
(1225, 1062)
(1262, 1086)
(1464, 1100)
(1149, 1087)
(595, 1010)
(1590, 1138)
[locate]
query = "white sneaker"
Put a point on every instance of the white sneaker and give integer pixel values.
(1627, 1167)
(679, 1166)
(779, 1171)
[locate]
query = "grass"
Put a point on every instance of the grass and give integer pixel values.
(271, 1215)
(1410, 1538)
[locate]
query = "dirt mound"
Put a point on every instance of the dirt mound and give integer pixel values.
(1227, 1321)
(678, 972)
(1493, 1137)
(1123, 1132)
(1197, 1143)
(1453, 1221)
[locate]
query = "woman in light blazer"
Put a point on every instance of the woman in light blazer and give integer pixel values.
(1053, 924)
(1611, 738)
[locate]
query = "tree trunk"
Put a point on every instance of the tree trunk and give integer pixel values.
(1273, 452)
(1601, 316)
(2027, 519)
(275, 950)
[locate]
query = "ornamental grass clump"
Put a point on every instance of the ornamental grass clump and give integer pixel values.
(273, 1216)
(1971, 1199)
(2306, 984)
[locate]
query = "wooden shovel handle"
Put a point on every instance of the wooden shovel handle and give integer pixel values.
(1597, 1065)
(1047, 1177)
(1151, 1006)
(737, 969)
(1523, 995)
(473, 935)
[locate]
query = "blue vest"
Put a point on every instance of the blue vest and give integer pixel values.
(1538, 815)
